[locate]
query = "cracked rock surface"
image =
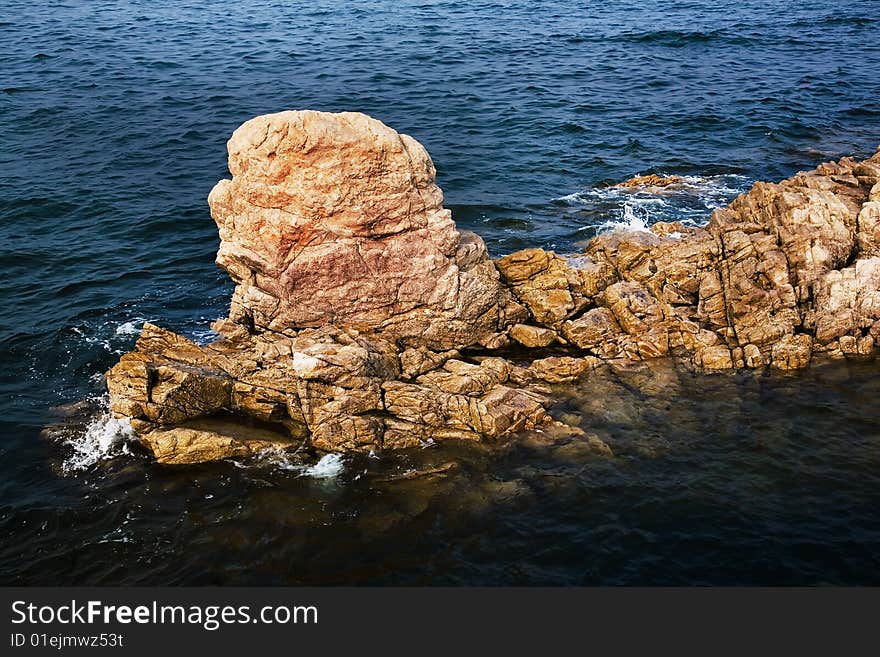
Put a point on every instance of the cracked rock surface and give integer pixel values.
(363, 319)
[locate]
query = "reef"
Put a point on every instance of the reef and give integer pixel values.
(364, 319)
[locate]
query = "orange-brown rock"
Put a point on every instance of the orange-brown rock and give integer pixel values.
(533, 336)
(545, 283)
(781, 265)
(561, 369)
(338, 389)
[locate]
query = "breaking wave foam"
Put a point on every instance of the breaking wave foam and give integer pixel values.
(632, 218)
(327, 467)
(104, 438)
(690, 201)
(131, 327)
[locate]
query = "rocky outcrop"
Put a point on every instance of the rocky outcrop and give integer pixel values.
(362, 319)
(784, 272)
(337, 388)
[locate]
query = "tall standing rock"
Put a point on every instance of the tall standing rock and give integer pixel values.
(336, 219)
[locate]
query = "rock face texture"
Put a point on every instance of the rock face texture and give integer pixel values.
(362, 319)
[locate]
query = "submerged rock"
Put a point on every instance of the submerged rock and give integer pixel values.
(362, 319)
(650, 180)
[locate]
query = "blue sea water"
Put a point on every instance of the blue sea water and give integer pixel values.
(113, 122)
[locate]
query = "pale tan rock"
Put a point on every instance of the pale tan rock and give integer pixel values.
(401, 434)
(846, 301)
(500, 411)
(595, 276)
(670, 229)
(670, 268)
(718, 357)
(418, 361)
(596, 331)
(211, 440)
(753, 357)
(347, 433)
(460, 378)
(853, 347)
(634, 309)
(180, 386)
(869, 226)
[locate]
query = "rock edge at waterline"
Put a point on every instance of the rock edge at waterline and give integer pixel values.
(363, 319)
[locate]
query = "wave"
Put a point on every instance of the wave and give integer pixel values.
(683, 38)
(105, 437)
(632, 218)
(690, 201)
(328, 466)
(834, 20)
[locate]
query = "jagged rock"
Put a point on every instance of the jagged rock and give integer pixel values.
(595, 332)
(714, 358)
(362, 319)
(752, 357)
(418, 361)
(338, 388)
(869, 224)
(792, 352)
(206, 440)
(176, 386)
(846, 301)
(499, 411)
(853, 347)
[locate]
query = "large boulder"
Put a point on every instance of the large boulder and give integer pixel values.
(336, 219)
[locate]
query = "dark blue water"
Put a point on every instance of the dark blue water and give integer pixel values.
(113, 122)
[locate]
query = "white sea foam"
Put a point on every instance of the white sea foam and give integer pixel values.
(329, 466)
(103, 438)
(131, 327)
(690, 201)
(279, 458)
